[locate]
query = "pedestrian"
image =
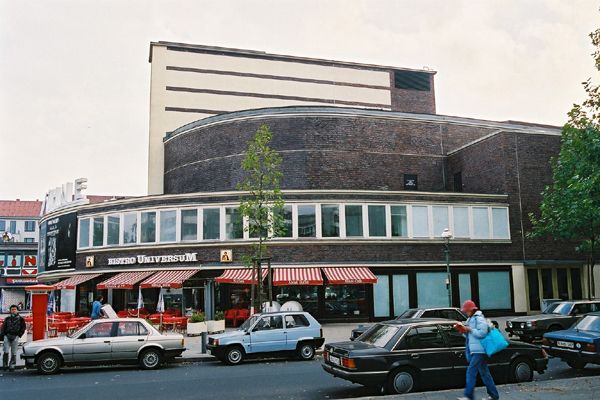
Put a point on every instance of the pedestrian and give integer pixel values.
(12, 329)
(96, 307)
(476, 329)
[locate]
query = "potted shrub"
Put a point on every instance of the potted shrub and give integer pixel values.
(196, 324)
(218, 325)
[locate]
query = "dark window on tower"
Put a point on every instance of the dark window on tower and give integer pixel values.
(410, 182)
(458, 185)
(412, 80)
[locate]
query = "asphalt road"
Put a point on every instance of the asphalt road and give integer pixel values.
(271, 379)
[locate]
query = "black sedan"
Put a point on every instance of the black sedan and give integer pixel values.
(401, 356)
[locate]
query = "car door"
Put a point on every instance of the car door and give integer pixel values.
(296, 328)
(268, 335)
(427, 350)
(456, 342)
(95, 345)
(131, 335)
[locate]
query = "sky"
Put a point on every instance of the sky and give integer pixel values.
(75, 76)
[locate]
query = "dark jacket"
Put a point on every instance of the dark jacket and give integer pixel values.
(13, 325)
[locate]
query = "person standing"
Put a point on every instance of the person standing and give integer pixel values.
(96, 307)
(476, 329)
(12, 329)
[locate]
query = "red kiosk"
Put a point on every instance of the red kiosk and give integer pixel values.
(39, 308)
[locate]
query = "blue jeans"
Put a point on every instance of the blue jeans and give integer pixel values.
(479, 364)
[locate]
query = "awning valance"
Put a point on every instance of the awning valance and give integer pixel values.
(242, 276)
(168, 279)
(124, 280)
(73, 281)
(349, 275)
(297, 276)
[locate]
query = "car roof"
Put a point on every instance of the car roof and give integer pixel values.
(420, 321)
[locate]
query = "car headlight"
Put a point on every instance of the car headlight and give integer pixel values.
(530, 324)
(509, 324)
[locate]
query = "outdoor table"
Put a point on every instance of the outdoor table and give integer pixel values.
(81, 321)
(62, 327)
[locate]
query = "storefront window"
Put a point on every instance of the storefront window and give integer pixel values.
(464, 287)
(286, 214)
(401, 293)
(211, 223)
(307, 221)
(431, 289)
(500, 221)
(494, 290)
(305, 295)
(440, 220)
(381, 296)
(129, 228)
(112, 228)
(376, 221)
(399, 224)
(330, 220)
(420, 221)
(576, 292)
(234, 226)
(481, 223)
(461, 222)
(98, 235)
(344, 300)
(189, 224)
(168, 226)
(354, 221)
(239, 296)
(533, 285)
(84, 233)
(148, 222)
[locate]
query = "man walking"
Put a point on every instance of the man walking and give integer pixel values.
(12, 329)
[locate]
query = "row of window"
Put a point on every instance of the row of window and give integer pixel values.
(320, 221)
(12, 226)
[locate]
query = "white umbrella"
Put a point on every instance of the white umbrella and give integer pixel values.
(51, 303)
(160, 304)
(140, 303)
(28, 306)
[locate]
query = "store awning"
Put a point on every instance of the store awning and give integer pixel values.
(124, 280)
(73, 281)
(349, 275)
(297, 276)
(168, 279)
(242, 276)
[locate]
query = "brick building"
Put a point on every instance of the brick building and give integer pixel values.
(372, 176)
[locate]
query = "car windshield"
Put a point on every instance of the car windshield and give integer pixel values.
(561, 308)
(588, 323)
(550, 308)
(408, 314)
(248, 323)
(379, 335)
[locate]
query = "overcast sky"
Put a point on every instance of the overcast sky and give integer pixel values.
(75, 76)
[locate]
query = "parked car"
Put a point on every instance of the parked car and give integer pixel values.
(578, 345)
(102, 342)
(273, 334)
(439, 312)
(556, 317)
(404, 355)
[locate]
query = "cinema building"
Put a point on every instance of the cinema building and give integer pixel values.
(372, 177)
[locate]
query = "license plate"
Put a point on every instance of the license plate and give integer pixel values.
(335, 360)
(518, 332)
(564, 344)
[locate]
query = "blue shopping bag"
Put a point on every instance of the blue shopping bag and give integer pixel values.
(494, 342)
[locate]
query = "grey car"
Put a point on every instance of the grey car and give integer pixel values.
(556, 317)
(102, 342)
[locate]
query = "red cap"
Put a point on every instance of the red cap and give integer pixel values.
(469, 305)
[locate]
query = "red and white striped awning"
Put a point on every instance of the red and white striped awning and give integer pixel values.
(349, 275)
(168, 279)
(73, 281)
(242, 276)
(297, 276)
(124, 280)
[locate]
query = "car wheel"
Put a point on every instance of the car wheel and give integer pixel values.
(234, 355)
(401, 380)
(306, 351)
(48, 363)
(576, 364)
(554, 328)
(521, 370)
(150, 359)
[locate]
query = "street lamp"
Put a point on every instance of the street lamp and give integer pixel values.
(447, 235)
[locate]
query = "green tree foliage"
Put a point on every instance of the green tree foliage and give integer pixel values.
(263, 204)
(570, 208)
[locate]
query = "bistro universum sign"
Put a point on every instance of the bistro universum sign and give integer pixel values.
(144, 259)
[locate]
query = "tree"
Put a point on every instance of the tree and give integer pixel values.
(263, 205)
(570, 208)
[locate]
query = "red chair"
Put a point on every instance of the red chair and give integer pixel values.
(242, 315)
(230, 317)
(123, 314)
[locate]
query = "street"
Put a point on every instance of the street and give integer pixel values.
(266, 379)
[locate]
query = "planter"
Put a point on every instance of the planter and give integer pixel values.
(196, 328)
(216, 326)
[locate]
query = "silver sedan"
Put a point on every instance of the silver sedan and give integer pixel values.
(103, 342)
